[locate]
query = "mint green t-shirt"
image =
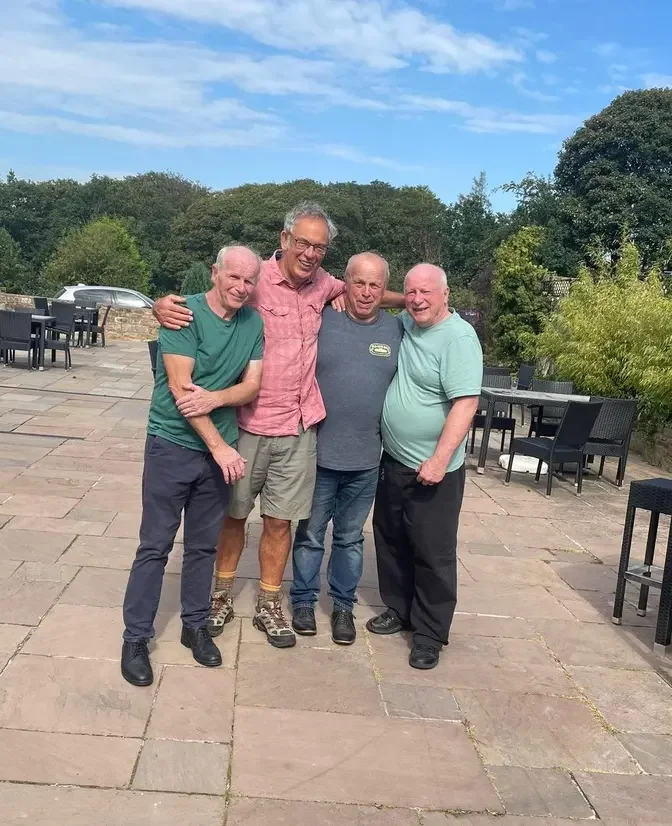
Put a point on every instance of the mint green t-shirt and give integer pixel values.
(436, 365)
(221, 351)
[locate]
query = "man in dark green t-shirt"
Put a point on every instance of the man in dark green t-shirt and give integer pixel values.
(190, 455)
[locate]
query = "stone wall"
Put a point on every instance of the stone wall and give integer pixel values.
(138, 325)
(656, 449)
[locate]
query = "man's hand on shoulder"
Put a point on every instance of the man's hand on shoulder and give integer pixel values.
(231, 463)
(431, 471)
(338, 303)
(197, 402)
(171, 313)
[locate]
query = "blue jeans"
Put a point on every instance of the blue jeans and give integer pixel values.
(346, 497)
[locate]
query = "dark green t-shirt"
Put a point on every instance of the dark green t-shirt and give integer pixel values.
(221, 351)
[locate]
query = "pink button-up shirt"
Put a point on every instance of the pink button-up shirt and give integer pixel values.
(289, 393)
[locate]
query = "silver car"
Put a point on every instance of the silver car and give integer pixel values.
(113, 296)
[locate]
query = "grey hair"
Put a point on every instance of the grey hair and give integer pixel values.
(225, 251)
(309, 209)
(440, 272)
(352, 260)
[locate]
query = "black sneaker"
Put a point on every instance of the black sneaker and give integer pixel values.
(343, 629)
(202, 647)
(386, 623)
(135, 665)
(303, 621)
(424, 656)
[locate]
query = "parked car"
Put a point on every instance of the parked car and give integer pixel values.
(112, 296)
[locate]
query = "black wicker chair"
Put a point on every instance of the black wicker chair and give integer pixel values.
(153, 347)
(612, 432)
(41, 305)
(496, 371)
(64, 325)
(566, 446)
(97, 327)
(16, 334)
(525, 376)
(502, 419)
(546, 418)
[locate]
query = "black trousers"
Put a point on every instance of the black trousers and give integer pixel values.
(415, 531)
(175, 479)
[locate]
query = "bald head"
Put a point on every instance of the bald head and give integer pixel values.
(427, 272)
(367, 263)
(426, 294)
(238, 256)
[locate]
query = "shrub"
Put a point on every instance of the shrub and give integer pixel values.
(613, 337)
(196, 279)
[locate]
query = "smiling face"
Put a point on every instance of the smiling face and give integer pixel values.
(364, 286)
(234, 279)
(303, 249)
(425, 295)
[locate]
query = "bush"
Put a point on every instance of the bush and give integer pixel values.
(519, 305)
(613, 337)
(100, 252)
(196, 279)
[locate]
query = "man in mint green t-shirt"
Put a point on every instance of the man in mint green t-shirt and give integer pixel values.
(204, 371)
(427, 414)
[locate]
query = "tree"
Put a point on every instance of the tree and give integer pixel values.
(101, 252)
(616, 171)
(15, 275)
(197, 279)
(520, 306)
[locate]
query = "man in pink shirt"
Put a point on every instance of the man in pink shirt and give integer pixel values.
(278, 430)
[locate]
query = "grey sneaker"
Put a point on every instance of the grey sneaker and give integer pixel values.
(270, 619)
(221, 612)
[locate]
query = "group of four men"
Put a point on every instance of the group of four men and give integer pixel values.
(304, 436)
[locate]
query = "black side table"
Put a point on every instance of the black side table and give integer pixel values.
(654, 495)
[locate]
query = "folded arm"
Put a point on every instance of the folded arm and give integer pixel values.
(195, 401)
(179, 370)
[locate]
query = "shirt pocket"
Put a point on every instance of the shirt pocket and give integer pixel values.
(311, 318)
(277, 320)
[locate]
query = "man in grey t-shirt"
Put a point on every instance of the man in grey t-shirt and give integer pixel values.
(356, 361)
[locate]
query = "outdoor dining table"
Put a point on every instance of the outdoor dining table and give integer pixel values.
(523, 397)
(41, 321)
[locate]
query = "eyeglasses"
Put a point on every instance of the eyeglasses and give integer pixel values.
(304, 245)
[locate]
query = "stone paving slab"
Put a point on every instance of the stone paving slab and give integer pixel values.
(541, 711)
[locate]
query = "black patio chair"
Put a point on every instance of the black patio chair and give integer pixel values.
(153, 347)
(63, 325)
(41, 305)
(16, 334)
(524, 382)
(551, 415)
(612, 432)
(98, 328)
(567, 445)
(496, 371)
(502, 418)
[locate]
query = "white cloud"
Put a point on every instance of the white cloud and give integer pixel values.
(653, 80)
(515, 5)
(491, 119)
(349, 153)
(519, 81)
(378, 33)
(544, 56)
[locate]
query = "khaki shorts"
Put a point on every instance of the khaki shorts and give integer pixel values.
(281, 470)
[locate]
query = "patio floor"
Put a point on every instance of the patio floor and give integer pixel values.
(539, 709)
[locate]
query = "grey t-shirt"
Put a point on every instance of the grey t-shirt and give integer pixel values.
(356, 362)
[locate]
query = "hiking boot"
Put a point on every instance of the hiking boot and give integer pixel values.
(221, 612)
(386, 623)
(303, 621)
(269, 618)
(343, 629)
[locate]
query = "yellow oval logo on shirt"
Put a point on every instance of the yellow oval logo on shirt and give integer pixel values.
(382, 350)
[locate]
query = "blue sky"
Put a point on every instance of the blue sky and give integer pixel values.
(233, 91)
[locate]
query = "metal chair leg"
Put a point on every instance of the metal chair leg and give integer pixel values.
(579, 478)
(623, 564)
(648, 560)
(509, 468)
(664, 624)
